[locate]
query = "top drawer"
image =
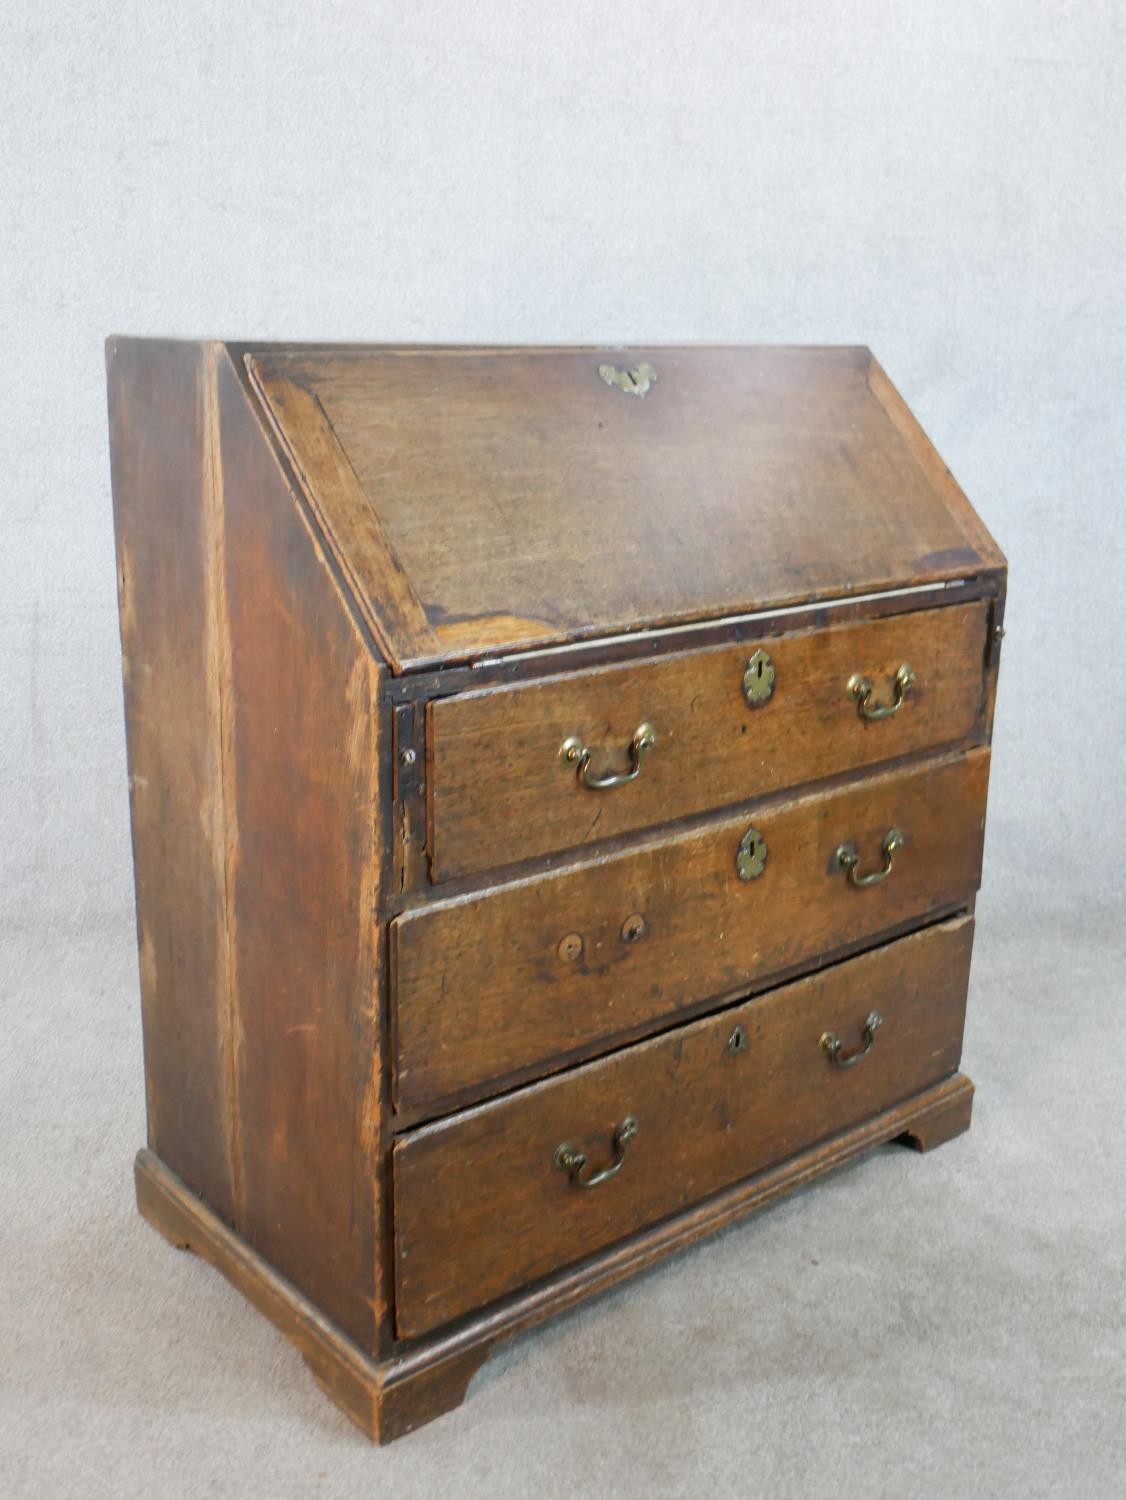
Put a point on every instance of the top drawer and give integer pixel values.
(729, 723)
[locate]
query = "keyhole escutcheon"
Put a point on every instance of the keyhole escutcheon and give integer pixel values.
(750, 858)
(758, 679)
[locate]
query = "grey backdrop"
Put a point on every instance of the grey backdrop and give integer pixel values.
(944, 182)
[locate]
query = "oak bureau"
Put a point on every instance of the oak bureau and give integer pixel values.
(558, 782)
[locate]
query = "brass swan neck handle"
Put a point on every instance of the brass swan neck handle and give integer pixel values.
(860, 689)
(833, 1047)
(568, 1159)
(847, 858)
(574, 752)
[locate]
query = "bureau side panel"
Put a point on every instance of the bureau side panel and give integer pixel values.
(307, 773)
(164, 521)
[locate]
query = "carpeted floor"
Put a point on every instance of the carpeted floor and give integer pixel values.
(953, 1324)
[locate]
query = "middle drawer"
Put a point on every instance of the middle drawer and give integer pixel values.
(497, 986)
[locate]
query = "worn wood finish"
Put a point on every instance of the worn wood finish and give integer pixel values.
(483, 988)
(353, 527)
(528, 502)
(172, 683)
(307, 781)
(365, 593)
(340, 1367)
(499, 792)
(254, 724)
(428, 1377)
(643, 645)
(707, 1116)
(942, 1123)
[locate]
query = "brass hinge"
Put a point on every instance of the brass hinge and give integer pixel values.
(996, 632)
(408, 794)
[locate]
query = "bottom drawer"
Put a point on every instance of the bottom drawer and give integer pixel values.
(494, 1197)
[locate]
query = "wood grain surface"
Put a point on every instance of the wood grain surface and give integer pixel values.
(499, 793)
(490, 986)
(429, 1376)
(257, 774)
(391, 954)
(524, 501)
(162, 444)
(481, 1207)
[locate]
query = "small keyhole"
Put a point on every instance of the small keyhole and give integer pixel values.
(633, 928)
(737, 1040)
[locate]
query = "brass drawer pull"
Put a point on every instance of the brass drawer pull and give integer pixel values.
(833, 1047)
(568, 1159)
(574, 753)
(848, 858)
(860, 689)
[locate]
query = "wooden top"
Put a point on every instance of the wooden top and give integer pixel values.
(483, 501)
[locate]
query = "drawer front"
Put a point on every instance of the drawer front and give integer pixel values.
(485, 1202)
(500, 791)
(494, 986)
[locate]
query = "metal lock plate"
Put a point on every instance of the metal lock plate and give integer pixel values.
(758, 679)
(750, 861)
(634, 382)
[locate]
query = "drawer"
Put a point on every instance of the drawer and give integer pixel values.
(485, 1202)
(499, 790)
(498, 985)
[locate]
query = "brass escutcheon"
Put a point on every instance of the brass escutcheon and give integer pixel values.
(750, 858)
(758, 679)
(634, 382)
